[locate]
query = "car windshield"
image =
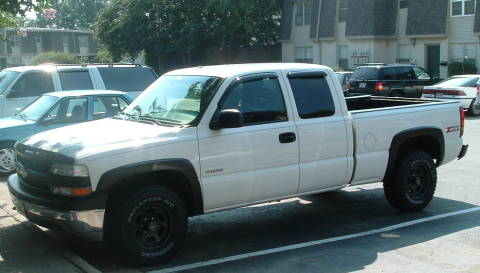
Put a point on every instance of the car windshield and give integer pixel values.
(6, 78)
(174, 99)
(365, 73)
(38, 108)
(459, 82)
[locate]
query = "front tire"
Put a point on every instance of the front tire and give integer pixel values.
(413, 183)
(148, 227)
(474, 109)
(7, 160)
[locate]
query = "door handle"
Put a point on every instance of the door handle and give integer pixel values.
(287, 137)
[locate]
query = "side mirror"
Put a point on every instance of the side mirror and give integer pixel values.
(228, 118)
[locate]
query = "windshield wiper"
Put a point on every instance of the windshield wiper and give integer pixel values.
(155, 120)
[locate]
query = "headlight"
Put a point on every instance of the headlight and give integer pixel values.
(69, 170)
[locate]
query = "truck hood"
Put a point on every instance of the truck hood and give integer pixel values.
(96, 137)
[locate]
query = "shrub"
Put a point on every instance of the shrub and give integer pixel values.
(458, 68)
(55, 58)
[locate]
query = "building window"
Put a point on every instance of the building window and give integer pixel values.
(463, 53)
(404, 4)
(304, 54)
(463, 7)
(403, 54)
(343, 57)
(303, 12)
(342, 10)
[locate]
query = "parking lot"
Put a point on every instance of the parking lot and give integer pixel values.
(344, 231)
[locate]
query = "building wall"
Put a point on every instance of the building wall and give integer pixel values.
(409, 35)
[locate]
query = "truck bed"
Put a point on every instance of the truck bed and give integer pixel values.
(372, 102)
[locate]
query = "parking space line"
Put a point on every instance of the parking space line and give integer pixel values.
(312, 243)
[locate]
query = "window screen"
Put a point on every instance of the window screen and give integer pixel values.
(127, 78)
(69, 111)
(75, 80)
(312, 97)
(32, 84)
(106, 106)
(260, 101)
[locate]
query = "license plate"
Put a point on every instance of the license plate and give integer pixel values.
(429, 96)
(362, 85)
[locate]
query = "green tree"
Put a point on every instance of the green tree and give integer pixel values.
(71, 14)
(178, 31)
(11, 11)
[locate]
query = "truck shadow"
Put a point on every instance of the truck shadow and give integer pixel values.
(289, 222)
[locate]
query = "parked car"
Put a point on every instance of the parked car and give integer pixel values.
(343, 78)
(53, 110)
(21, 85)
(206, 139)
(390, 80)
(463, 88)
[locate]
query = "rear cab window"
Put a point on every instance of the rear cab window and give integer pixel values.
(127, 79)
(75, 79)
(365, 73)
(312, 94)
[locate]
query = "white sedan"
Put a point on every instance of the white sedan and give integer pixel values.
(464, 88)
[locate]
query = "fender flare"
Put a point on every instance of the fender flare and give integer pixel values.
(183, 166)
(404, 136)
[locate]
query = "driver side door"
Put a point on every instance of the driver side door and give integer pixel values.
(254, 162)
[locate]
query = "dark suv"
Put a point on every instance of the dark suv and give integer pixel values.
(389, 80)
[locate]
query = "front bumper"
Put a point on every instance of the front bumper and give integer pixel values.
(463, 152)
(80, 222)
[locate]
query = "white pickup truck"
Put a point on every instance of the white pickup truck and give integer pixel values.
(205, 139)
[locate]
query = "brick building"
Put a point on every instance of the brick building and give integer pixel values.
(348, 33)
(21, 49)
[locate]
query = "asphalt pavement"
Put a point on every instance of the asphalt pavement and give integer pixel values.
(351, 230)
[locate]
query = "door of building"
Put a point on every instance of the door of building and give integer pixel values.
(433, 60)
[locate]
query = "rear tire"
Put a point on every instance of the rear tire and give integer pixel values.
(413, 183)
(147, 226)
(474, 109)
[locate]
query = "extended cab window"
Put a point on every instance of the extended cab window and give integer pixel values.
(32, 84)
(260, 101)
(75, 80)
(127, 78)
(313, 96)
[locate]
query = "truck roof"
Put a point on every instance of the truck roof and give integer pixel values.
(224, 71)
(78, 93)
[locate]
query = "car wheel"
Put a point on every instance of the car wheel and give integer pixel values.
(7, 160)
(413, 183)
(474, 109)
(147, 227)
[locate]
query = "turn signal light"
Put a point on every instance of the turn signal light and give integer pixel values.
(462, 121)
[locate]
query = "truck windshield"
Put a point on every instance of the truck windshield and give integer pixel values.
(175, 99)
(6, 78)
(38, 108)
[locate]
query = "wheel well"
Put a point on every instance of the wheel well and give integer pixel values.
(174, 180)
(4, 143)
(428, 144)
